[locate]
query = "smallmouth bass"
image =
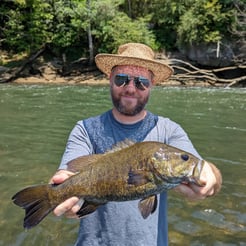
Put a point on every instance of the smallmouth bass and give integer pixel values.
(134, 171)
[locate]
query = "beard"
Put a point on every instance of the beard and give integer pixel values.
(128, 109)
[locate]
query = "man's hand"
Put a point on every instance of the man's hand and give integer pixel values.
(71, 205)
(212, 179)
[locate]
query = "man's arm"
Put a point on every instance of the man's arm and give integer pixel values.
(78, 144)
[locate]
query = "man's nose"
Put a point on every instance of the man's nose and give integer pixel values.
(131, 85)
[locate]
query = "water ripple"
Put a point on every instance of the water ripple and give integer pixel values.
(218, 220)
(230, 128)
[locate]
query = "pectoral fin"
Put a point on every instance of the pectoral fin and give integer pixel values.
(138, 177)
(87, 208)
(148, 206)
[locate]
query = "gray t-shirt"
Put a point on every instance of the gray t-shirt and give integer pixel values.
(120, 223)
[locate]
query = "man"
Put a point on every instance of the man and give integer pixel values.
(132, 72)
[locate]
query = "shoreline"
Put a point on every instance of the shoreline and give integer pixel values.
(101, 79)
(51, 73)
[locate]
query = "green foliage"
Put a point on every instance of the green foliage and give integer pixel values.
(111, 27)
(39, 24)
(165, 20)
(203, 22)
(63, 34)
(122, 29)
(28, 25)
(70, 24)
(12, 32)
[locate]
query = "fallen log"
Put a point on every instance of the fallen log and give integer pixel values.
(27, 63)
(185, 71)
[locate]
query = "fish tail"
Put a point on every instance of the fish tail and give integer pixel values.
(35, 201)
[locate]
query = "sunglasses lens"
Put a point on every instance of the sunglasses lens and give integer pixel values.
(141, 83)
(121, 79)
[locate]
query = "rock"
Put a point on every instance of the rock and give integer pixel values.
(3, 69)
(210, 55)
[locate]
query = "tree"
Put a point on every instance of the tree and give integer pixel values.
(92, 26)
(165, 18)
(110, 27)
(28, 25)
(238, 30)
(204, 22)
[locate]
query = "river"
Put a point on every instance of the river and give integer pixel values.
(35, 121)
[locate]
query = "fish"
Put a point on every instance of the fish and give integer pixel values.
(130, 171)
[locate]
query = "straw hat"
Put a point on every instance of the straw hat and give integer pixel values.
(134, 54)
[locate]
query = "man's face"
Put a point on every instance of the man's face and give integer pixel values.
(128, 99)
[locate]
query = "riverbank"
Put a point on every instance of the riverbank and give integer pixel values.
(52, 72)
(86, 79)
(97, 80)
(80, 81)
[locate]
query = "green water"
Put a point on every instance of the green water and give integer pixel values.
(35, 121)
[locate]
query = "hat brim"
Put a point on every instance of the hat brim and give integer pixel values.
(161, 71)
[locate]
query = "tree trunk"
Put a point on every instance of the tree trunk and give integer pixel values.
(90, 41)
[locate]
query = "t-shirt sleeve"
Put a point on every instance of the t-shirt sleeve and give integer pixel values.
(180, 139)
(78, 144)
(171, 133)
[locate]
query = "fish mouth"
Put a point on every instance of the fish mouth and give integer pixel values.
(198, 168)
(195, 173)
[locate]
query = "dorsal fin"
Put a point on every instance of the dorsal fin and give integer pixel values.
(121, 145)
(80, 163)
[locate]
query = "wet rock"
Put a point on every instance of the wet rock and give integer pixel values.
(210, 55)
(3, 69)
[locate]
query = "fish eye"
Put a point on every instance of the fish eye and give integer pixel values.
(185, 157)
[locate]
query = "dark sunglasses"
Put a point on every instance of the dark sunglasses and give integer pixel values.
(124, 79)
